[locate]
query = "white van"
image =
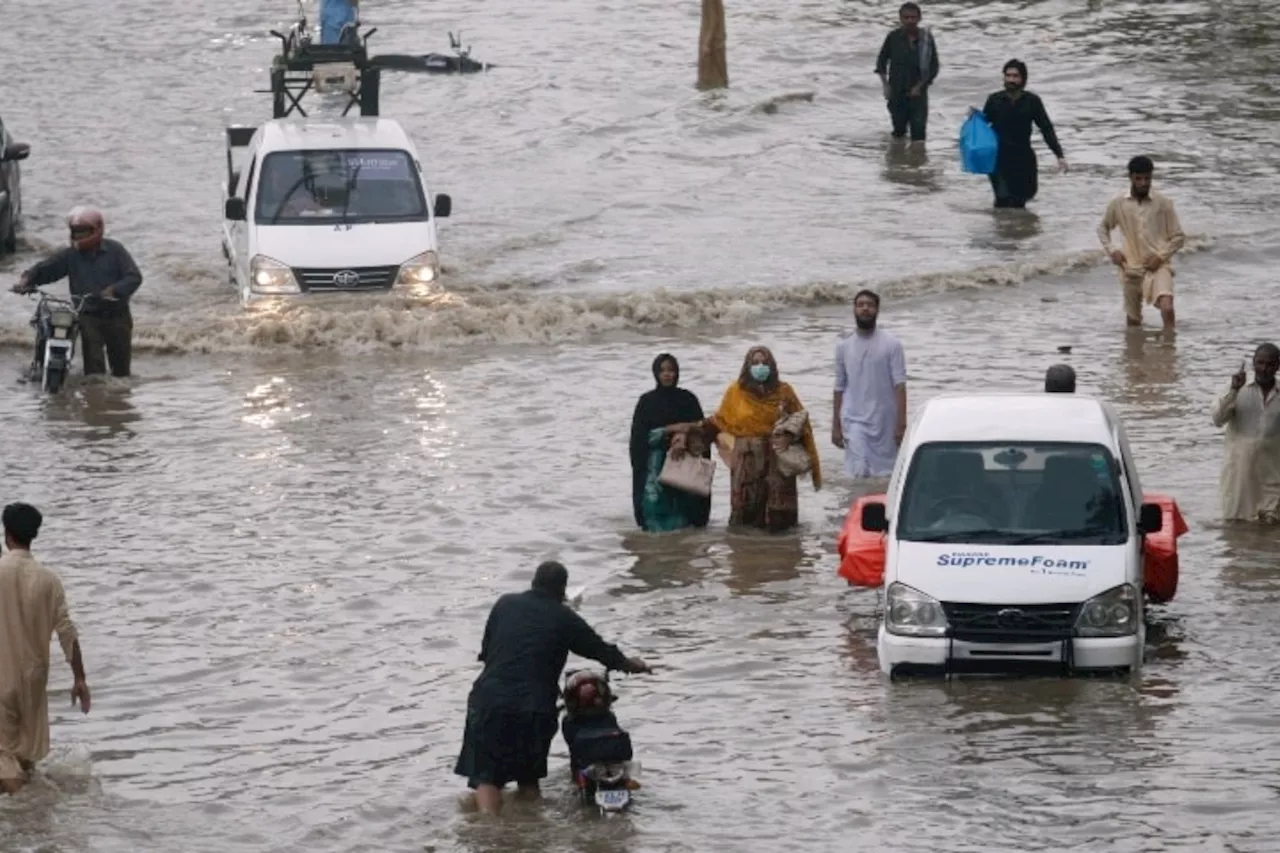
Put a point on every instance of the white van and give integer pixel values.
(324, 205)
(1014, 539)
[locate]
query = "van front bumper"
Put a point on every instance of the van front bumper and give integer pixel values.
(940, 656)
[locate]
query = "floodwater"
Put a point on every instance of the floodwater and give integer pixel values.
(280, 539)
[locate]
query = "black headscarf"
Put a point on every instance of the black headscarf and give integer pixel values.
(660, 407)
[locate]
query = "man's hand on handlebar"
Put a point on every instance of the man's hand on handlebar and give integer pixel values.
(635, 666)
(22, 286)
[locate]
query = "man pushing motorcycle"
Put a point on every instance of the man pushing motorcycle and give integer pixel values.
(103, 272)
(511, 712)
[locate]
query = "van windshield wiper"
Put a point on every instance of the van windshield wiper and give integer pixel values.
(1070, 534)
(979, 534)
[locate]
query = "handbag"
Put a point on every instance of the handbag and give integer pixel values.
(795, 460)
(688, 473)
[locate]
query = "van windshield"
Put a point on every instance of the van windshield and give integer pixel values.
(328, 187)
(1013, 494)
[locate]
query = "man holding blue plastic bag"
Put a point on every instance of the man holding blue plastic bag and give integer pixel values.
(1011, 112)
(908, 65)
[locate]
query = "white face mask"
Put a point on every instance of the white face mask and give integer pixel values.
(760, 372)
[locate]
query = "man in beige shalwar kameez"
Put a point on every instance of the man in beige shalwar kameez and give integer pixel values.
(1251, 414)
(33, 608)
(1152, 236)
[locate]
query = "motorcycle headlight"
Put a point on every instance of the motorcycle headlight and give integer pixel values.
(911, 613)
(420, 270)
(62, 318)
(267, 275)
(1114, 613)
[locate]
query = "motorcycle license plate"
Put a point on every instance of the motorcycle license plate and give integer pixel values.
(613, 800)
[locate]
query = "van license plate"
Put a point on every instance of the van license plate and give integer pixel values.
(613, 800)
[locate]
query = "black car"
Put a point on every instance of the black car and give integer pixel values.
(10, 189)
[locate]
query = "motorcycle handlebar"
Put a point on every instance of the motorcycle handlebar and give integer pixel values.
(76, 302)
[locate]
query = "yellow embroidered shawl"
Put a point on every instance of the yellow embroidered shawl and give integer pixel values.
(744, 415)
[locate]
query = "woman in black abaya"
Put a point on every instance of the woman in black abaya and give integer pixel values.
(666, 404)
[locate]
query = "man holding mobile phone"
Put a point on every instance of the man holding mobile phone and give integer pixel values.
(1251, 470)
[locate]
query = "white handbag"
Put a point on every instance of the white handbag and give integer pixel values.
(689, 473)
(795, 460)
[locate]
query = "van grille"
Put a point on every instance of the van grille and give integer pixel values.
(1011, 623)
(339, 279)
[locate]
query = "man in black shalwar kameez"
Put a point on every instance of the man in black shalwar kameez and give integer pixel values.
(1011, 113)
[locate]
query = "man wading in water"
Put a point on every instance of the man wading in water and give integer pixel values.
(908, 65)
(103, 272)
(1011, 113)
(1251, 470)
(511, 712)
(1152, 236)
(870, 401)
(33, 608)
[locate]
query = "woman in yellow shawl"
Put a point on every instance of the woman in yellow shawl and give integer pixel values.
(743, 428)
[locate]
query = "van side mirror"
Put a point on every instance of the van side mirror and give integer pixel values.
(444, 206)
(16, 151)
(233, 209)
(1150, 518)
(874, 518)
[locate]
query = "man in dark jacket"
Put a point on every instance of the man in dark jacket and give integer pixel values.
(511, 712)
(1012, 111)
(908, 65)
(103, 271)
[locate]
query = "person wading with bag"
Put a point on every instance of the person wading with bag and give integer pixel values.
(745, 431)
(668, 504)
(1012, 111)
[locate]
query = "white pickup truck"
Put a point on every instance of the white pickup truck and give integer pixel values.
(328, 205)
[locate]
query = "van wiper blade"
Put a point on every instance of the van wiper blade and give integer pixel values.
(985, 533)
(1068, 534)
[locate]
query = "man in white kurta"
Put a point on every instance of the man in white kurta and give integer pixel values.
(870, 401)
(1251, 413)
(33, 608)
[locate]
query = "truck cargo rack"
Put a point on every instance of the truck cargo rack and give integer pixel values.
(304, 66)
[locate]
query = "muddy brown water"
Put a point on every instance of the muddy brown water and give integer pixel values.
(281, 538)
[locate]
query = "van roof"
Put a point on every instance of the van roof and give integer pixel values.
(293, 134)
(1015, 417)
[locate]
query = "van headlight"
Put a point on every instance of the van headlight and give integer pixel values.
(1114, 613)
(423, 269)
(267, 275)
(911, 613)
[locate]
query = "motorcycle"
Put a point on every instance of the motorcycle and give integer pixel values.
(600, 755)
(434, 63)
(57, 325)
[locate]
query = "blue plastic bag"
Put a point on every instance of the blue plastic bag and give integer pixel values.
(978, 144)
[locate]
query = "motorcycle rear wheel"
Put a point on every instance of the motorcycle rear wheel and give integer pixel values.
(54, 376)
